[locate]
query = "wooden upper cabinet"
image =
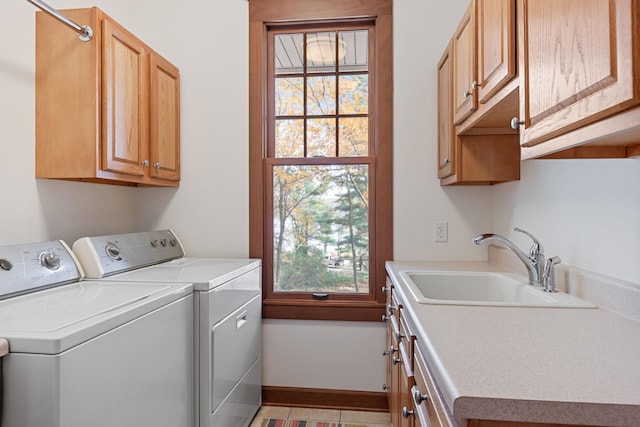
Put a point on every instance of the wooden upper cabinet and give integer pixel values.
(496, 21)
(476, 146)
(107, 110)
(464, 67)
(446, 130)
(580, 62)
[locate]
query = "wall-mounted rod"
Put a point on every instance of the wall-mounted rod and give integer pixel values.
(85, 33)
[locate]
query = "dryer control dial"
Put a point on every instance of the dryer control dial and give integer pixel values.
(50, 260)
(5, 264)
(113, 252)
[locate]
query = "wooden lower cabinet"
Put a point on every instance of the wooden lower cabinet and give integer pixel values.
(414, 399)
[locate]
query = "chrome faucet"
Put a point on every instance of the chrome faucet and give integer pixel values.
(534, 261)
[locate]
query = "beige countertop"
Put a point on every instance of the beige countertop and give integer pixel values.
(562, 365)
(4, 347)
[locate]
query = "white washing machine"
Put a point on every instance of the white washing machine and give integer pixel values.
(227, 315)
(91, 353)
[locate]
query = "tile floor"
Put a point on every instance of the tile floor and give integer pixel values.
(369, 419)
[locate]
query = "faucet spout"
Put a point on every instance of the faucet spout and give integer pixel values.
(531, 261)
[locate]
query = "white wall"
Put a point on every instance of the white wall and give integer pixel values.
(37, 210)
(587, 212)
(422, 30)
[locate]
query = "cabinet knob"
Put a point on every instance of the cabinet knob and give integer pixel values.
(391, 350)
(516, 122)
(385, 387)
(406, 413)
(396, 360)
(474, 85)
(156, 165)
(419, 397)
(385, 317)
(467, 93)
(399, 336)
(145, 163)
(446, 161)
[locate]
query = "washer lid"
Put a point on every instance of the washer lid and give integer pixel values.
(204, 273)
(54, 320)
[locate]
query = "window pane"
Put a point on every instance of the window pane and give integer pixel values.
(289, 138)
(321, 137)
(356, 57)
(354, 94)
(321, 51)
(289, 96)
(354, 137)
(321, 228)
(288, 53)
(321, 95)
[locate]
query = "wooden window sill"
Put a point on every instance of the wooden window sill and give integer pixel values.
(359, 311)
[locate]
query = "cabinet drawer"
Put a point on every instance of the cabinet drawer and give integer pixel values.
(430, 407)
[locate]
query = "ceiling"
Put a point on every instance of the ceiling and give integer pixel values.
(321, 51)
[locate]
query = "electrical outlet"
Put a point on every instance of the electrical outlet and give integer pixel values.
(440, 231)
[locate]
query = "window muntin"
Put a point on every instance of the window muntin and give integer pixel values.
(321, 78)
(320, 163)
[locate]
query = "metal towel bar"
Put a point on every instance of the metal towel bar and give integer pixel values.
(85, 32)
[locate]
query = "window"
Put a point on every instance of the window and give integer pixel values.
(320, 157)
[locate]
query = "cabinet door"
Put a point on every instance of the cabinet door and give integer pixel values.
(496, 45)
(446, 131)
(164, 119)
(577, 58)
(464, 67)
(125, 101)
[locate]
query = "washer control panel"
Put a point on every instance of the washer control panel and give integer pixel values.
(102, 256)
(31, 267)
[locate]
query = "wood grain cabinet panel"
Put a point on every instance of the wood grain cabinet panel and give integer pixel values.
(496, 22)
(464, 67)
(164, 119)
(580, 62)
(107, 110)
(446, 130)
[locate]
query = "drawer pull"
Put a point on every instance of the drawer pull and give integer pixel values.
(419, 397)
(391, 350)
(406, 413)
(241, 320)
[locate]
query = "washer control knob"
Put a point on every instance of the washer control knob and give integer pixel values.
(173, 243)
(113, 252)
(163, 242)
(50, 260)
(5, 264)
(154, 243)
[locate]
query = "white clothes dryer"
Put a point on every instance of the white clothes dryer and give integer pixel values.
(227, 314)
(98, 354)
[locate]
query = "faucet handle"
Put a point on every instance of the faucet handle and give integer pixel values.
(536, 249)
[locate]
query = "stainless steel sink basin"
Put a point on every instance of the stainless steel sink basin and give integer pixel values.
(483, 288)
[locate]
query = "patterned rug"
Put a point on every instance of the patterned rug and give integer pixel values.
(299, 423)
